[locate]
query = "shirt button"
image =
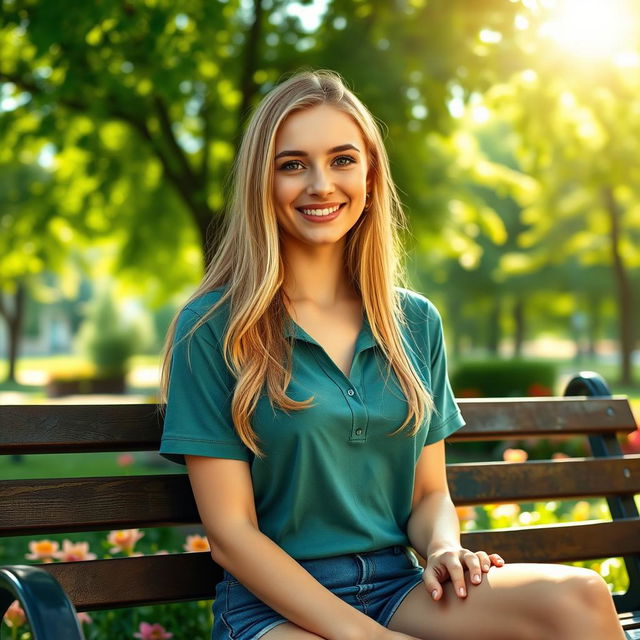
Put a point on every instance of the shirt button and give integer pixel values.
(350, 392)
(358, 432)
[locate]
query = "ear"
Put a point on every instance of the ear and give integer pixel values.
(369, 182)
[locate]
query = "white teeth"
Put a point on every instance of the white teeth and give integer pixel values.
(320, 212)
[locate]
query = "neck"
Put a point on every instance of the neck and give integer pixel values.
(317, 275)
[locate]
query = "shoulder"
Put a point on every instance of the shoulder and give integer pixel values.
(417, 307)
(200, 308)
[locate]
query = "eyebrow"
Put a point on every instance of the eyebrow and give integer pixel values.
(295, 152)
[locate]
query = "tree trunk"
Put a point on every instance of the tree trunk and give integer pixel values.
(250, 66)
(210, 234)
(623, 286)
(14, 319)
(493, 340)
(518, 319)
(454, 328)
(593, 325)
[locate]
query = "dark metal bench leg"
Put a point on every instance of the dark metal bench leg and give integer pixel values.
(49, 611)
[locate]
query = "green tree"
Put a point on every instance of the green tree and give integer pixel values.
(583, 155)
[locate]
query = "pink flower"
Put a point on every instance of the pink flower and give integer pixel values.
(84, 618)
(515, 455)
(125, 460)
(14, 616)
(632, 443)
(124, 540)
(152, 632)
(43, 550)
(196, 543)
(74, 552)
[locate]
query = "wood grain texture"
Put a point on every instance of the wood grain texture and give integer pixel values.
(128, 582)
(93, 504)
(486, 482)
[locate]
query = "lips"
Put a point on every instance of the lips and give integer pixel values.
(315, 216)
(319, 207)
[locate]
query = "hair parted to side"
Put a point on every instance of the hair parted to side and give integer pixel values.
(249, 260)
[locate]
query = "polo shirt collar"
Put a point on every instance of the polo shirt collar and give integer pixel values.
(364, 341)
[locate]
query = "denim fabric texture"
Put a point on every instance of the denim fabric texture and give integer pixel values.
(375, 583)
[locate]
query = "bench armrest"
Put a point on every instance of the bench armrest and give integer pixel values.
(587, 383)
(49, 611)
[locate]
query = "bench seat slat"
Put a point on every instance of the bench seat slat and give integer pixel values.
(138, 427)
(92, 504)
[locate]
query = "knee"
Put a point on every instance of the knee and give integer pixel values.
(582, 599)
(589, 589)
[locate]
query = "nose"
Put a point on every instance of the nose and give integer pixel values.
(319, 182)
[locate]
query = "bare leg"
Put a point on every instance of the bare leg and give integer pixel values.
(523, 601)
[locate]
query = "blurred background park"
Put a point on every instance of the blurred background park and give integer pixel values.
(513, 129)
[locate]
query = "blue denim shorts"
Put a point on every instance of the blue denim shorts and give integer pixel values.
(375, 583)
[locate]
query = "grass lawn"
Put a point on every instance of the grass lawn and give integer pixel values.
(73, 465)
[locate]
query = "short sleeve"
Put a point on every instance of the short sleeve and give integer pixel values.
(447, 417)
(198, 411)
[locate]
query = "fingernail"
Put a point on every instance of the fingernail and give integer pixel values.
(476, 578)
(461, 591)
(485, 567)
(434, 593)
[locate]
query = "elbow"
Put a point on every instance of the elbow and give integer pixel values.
(425, 497)
(225, 542)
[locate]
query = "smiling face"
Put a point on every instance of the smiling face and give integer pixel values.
(320, 168)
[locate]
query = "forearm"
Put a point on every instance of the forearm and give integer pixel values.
(433, 524)
(284, 585)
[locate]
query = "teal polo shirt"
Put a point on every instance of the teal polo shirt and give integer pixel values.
(333, 480)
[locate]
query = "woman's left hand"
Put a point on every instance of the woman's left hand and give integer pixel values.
(449, 563)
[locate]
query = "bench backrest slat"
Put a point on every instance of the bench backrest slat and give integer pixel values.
(128, 582)
(492, 418)
(565, 542)
(92, 504)
(138, 427)
(484, 482)
(61, 505)
(79, 428)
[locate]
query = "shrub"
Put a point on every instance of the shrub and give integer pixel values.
(504, 378)
(105, 339)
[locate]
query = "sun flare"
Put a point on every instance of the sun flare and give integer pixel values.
(593, 28)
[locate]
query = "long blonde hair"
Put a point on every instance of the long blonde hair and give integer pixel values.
(248, 259)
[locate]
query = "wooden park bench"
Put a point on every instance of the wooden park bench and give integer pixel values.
(49, 592)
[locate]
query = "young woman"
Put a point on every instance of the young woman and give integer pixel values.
(306, 391)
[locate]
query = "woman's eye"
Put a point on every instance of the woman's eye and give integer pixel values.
(349, 158)
(287, 165)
